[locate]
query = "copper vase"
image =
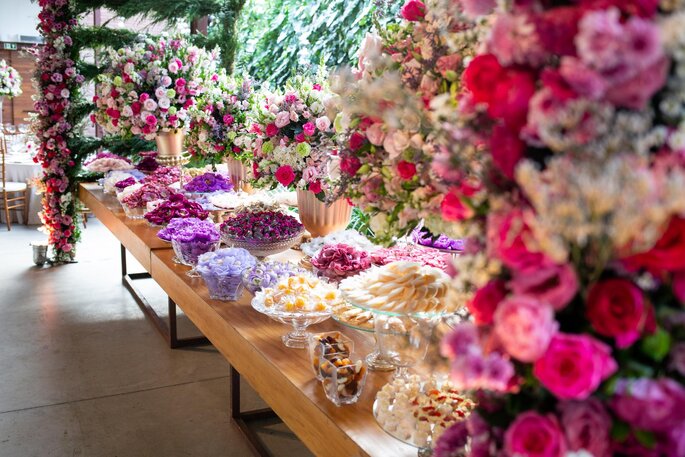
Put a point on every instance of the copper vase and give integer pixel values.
(237, 171)
(170, 144)
(319, 218)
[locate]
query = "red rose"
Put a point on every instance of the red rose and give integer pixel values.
(315, 187)
(350, 165)
(484, 303)
(511, 98)
(453, 209)
(481, 76)
(285, 175)
(616, 309)
(357, 140)
(506, 149)
(413, 10)
(668, 254)
(406, 170)
(300, 138)
(271, 129)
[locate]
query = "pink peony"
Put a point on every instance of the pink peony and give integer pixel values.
(413, 10)
(657, 405)
(357, 140)
(525, 327)
(486, 300)
(616, 308)
(309, 129)
(587, 426)
(574, 366)
(555, 284)
(583, 80)
(375, 134)
(285, 175)
(534, 435)
(511, 98)
(282, 119)
(481, 75)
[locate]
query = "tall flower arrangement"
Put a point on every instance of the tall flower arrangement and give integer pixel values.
(571, 126)
(150, 87)
(386, 127)
(58, 82)
(10, 81)
(218, 121)
(295, 143)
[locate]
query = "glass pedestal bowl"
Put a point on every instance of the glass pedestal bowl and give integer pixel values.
(134, 213)
(188, 252)
(261, 248)
(299, 320)
(375, 360)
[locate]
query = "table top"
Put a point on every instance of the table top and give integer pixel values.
(282, 376)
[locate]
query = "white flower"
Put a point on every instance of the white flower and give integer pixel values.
(164, 103)
(333, 168)
(64, 93)
(150, 104)
(126, 111)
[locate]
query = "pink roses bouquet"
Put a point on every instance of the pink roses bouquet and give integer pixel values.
(295, 145)
(568, 146)
(218, 121)
(150, 87)
(10, 81)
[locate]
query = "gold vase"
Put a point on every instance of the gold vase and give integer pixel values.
(238, 173)
(170, 144)
(319, 218)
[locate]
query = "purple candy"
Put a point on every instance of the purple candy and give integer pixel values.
(222, 272)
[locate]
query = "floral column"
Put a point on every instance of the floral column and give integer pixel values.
(57, 82)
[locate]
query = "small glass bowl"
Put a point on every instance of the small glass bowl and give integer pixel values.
(225, 288)
(256, 279)
(328, 346)
(343, 380)
(135, 213)
(261, 248)
(188, 252)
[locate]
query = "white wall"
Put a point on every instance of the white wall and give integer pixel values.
(18, 17)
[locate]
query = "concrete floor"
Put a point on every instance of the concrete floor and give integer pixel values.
(82, 373)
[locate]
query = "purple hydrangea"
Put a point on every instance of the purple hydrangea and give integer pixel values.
(209, 182)
(222, 271)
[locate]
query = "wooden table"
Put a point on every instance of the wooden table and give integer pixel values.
(251, 342)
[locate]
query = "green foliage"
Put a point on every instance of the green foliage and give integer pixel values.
(360, 222)
(222, 32)
(282, 36)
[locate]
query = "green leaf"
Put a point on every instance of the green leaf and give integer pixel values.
(657, 345)
(620, 431)
(645, 438)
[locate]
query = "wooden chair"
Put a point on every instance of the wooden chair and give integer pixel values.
(14, 195)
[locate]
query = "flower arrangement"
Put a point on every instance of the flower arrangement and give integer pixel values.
(218, 121)
(294, 145)
(145, 194)
(184, 226)
(340, 261)
(209, 182)
(268, 274)
(386, 128)
(349, 237)
(261, 226)
(150, 87)
(10, 81)
(113, 177)
(106, 161)
(176, 206)
(571, 125)
(222, 272)
(58, 81)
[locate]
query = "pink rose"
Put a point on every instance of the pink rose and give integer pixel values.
(525, 327)
(285, 175)
(484, 303)
(508, 235)
(448, 63)
(574, 366)
(616, 308)
(533, 435)
(406, 170)
(357, 140)
(555, 284)
(587, 426)
(271, 129)
(309, 129)
(282, 119)
(636, 92)
(413, 10)
(323, 123)
(657, 405)
(453, 208)
(228, 119)
(375, 134)
(511, 98)
(668, 254)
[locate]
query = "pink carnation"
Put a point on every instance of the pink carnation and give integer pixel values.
(525, 327)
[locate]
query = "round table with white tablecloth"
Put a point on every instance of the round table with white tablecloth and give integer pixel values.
(21, 168)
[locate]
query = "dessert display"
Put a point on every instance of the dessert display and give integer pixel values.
(342, 379)
(300, 301)
(332, 346)
(418, 413)
(222, 272)
(263, 233)
(208, 183)
(354, 317)
(106, 161)
(267, 274)
(176, 206)
(348, 237)
(399, 287)
(416, 254)
(340, 261)
(135, 202)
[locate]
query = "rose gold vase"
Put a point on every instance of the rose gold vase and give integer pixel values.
(170, 144)
(321, 219)
(238, 173)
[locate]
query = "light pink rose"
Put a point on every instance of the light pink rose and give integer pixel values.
(323, 123)
(534, 435)
(587, 426)
(282, 119)
(525, 327)
(555, 285)
(375, 134)
(574, 366)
